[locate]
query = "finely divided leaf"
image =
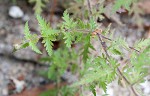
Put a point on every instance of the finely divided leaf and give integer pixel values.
(18, 47)
(142, 43)
(87, 46)
(39, 4)
(116, 45)
(48, 44)
(92, 88)
(68, 38)
(68, 22)
(27, 31)
(32, 38)
(103, 85)
(93, 24)
(67, 27)
(123, 3)
(47, 33)
(33, 43)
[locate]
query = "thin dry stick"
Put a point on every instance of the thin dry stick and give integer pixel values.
(89, 6)
(53, 10)
(126, 80)
(105, 38)
(103, 45)
(112, 40)
(134, 49)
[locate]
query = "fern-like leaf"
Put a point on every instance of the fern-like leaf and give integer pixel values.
(123, 3)
(93, 24)
(87, 46)
(27, 31)
(92, 88)
(47, 33)
(32, 38)
(98, 72)
(18, 47)
(68, 38)
(33, 43)
(116, 45)
(48, 44)
(103, 85)
(142, 43)
(67, 27)
(59, 63)
(68, 22)
(39, 4)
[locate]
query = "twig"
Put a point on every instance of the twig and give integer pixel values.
(52, 10)
(103, 45)
(112, 40)
(89, 6)
(134, 49)
(123, 76)
(106, 38)
(134, 92)
(104, 48)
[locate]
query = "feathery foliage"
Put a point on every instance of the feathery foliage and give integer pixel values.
(140, 65)
(67, 27)
(123, 3)
(32, 38)
(142, 44)
(59, 64)
(48, 34)
(39, 4)
(97, 72)
(92, 69)
(87, 46)
(116, 46)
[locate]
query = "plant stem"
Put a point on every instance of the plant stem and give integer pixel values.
(112, 40)
(134, 92)
(103, 45)
(134, 49)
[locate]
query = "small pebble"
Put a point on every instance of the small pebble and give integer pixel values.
(5, 92)
(15, 12)
(26, 18)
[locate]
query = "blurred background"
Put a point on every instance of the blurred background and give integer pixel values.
(21, 72)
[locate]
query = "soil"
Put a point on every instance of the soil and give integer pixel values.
(23, 65)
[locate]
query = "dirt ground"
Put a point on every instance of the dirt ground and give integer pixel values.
(23, 65)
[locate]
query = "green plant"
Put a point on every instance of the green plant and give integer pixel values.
(123, 3)
(39, 4)
(14, 1)
(93, 70)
